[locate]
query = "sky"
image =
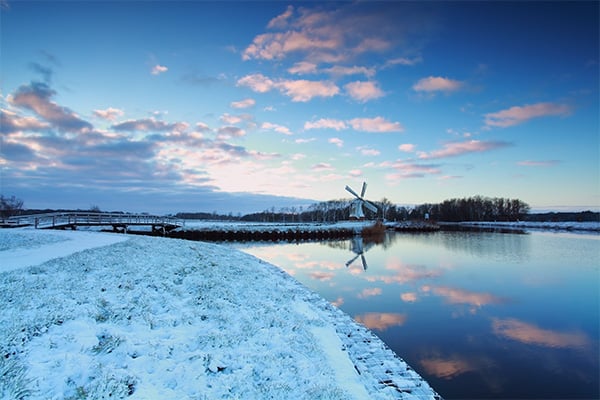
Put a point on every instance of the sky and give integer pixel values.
(242, 106)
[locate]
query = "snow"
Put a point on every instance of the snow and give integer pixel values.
(240, 226)
(96, 315)
(568, 225)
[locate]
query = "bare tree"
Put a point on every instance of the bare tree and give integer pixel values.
(10, 206)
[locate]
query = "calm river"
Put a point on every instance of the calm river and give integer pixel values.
(478, 315)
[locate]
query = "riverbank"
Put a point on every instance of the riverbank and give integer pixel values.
(571, 226)
(89, 314)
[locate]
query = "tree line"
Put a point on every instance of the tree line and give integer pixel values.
(475, 208)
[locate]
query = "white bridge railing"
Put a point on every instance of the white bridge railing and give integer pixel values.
(73, 219)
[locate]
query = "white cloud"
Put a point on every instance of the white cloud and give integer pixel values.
(243, 103)
(337, 141)
(517, 115)
(110, 113)
(228, 132)
(377, 124)
(407, 147)
(277, 128)
(299, 90)
(403, 61)
(159, 69)
(325, 123)
(302, 68)
(303, 90)
(364, 91)
(437, 84)
(355, 173)
(257, 82)
(366, 151)
(308, 140)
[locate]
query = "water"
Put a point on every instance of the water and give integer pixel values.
(478, 315)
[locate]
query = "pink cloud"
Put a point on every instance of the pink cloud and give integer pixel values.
(322, 276)
(377, 124)
(517, 115)
(454, 149)
(366, 151)
(364, 91)
(302, 68)
(257, 82)
(459, 296)
(299, 90)
(409, 297)
(282, 19)
(437, 84)
(37, 98)
(110, 113)
(243, 103)
(531, 334)
(322, 167)
(277, 128)
(380, 321)
(405, 170)
(337, 141)
(325, 123)
(11, 122)
(407, 147)
(159, 69)
(304, 90)
(530, 163)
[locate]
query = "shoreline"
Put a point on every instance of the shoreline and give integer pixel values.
(145, 317)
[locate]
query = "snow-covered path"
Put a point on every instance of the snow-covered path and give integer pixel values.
(88, 315)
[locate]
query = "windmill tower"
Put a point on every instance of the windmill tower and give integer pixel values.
(356, 207)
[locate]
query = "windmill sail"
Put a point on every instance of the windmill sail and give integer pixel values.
(356, 207)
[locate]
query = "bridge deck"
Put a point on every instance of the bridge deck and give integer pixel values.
(72, 220)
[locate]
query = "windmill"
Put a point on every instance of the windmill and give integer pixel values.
(356, 210)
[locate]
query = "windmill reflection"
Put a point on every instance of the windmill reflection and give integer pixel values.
(359, 247)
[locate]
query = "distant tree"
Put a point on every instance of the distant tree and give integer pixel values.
(10, 206)
(94, 208)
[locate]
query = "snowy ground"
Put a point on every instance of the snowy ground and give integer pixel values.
(273, 226)
(568, 226)
(92, 315)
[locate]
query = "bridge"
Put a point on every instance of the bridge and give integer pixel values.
(120, 222)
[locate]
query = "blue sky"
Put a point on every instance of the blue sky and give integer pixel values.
(241, 106)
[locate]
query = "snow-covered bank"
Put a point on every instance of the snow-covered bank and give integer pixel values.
(162, 318)
(272, 226)
(567, 226)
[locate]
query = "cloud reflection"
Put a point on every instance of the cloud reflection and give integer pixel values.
(447, 368)
(368, 292)
(530, 334)
(409, 297)
(404, 273)
(380, 321)
(322, 276)
(459, 296)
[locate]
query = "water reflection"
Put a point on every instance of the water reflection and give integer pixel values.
(531, 334)
(381, 321)
(479, 315)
